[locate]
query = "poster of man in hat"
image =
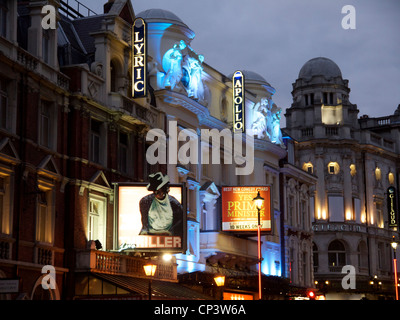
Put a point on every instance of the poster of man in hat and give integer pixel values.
(151, 216)
(161, 213)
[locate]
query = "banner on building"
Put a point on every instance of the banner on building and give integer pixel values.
(139, 59)
(239, 211)
(392, 207)
(147, 224)
(238, 102)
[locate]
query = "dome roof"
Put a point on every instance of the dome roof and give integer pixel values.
(161, 15)
(252, 77)
(320, 67)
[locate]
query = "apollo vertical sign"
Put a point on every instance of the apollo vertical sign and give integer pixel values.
(238, 102)
(139, 59)
(392, 207)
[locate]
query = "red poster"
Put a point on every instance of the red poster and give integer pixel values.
(239, 211)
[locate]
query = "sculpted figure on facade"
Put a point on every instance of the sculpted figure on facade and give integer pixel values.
(266, 121)
(275, 126)
(192, 78)
(183, 65)
(172, 64)
(260, 118)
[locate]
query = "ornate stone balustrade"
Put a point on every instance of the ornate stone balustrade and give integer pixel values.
(115, 263)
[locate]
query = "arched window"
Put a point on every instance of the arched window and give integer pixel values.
(336, 254)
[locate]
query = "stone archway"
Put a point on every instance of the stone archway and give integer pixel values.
(39, 293)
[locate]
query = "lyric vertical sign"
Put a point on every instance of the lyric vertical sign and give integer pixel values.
(238, 102)
(139, 59)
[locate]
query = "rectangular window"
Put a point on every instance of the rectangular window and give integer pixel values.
(2, 196)
(44, 219)
(303, 216)
(312, 98)
(325, 95)
(97, 219)
(3, 18)
(95, 140)
(379, 214)
(45, 122)
(46, 46)
(3, 105)
(291, 210)
(336, 208)
(331, 98)
(123, 151)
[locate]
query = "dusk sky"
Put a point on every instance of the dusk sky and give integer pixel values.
(276, 38)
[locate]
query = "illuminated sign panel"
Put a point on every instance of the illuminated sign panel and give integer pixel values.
(237, 296)
(392, 207)
(139, 230)
(239, 211)
(139, 59)
(238, 101)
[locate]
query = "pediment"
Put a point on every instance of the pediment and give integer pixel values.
(8, 153)
(100, 179)
(210, 188)
(48, 167)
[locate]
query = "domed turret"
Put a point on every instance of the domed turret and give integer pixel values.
(161, 15)
(321, 106)
(320, 67)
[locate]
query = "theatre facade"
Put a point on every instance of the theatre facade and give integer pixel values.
(92, 107)
(356, 160)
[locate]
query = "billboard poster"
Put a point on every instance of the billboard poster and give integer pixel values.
(239, 211)
(151, 216)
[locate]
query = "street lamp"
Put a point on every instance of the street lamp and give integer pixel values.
(150, 270)
(220, 282)
(259, 202)
(394, 246)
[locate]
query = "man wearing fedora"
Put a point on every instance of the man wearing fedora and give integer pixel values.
(161, 213)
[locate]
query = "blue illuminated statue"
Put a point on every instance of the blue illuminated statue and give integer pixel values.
(172, 64)
(266, 121)
(260, 116)
(183, 65)
(194, 87)
(275, 130)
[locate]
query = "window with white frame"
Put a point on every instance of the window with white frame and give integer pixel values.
(97, 219)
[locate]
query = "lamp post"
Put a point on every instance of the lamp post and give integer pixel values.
(259, 202)
(150, 270)
(220, 282)
(394, 246)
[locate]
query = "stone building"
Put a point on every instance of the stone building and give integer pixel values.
(356, 160)
(70, 130)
